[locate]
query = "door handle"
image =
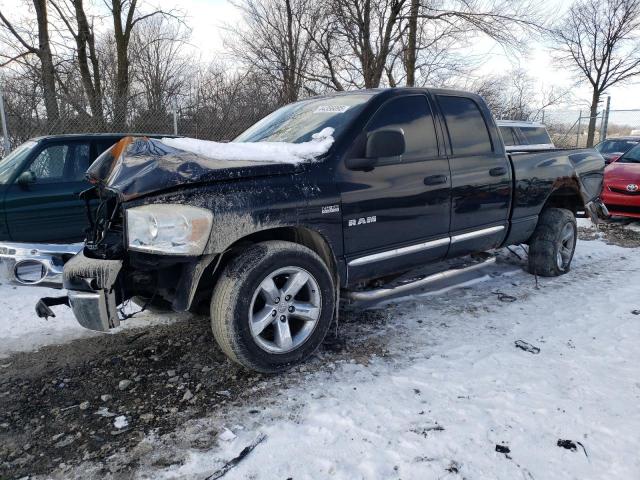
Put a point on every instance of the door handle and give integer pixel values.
(435, 180)
(498, 171)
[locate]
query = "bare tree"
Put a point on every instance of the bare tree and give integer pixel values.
(370, 30)
(159, 69)
(504, 21)
(26, 46)
(599, 41)
(73, 15)
(125, 15)
(276, 41)
(514, 95)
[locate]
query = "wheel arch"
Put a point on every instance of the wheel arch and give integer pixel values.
(301, 235)
(565, 197)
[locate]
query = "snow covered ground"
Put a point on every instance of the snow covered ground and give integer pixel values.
(455, 386)
(444, 386)
(21, 330)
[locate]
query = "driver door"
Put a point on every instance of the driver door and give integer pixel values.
(396, 214)
(46, 208)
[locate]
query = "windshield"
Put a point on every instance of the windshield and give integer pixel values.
(9, 163)
(632, 156)
(615, 146)
(296, 123)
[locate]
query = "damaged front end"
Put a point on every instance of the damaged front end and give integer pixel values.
(152, 254)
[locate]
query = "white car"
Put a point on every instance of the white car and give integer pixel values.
(522, 136)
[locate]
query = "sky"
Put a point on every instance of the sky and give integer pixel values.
(206, 19)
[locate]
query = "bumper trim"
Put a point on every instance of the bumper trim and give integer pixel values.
(35, 264)
(597, 210)
(92, 298)
(94, 310)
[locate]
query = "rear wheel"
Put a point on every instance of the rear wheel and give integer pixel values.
(553, 243)
(272, 306)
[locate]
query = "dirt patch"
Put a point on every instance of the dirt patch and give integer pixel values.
(621, 232)
(94, 397)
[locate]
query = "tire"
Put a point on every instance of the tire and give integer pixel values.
(553, 243)
(244, 300)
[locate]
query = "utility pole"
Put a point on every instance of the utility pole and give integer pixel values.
(3, 121)
(579, 126)
(175, 117)
(605, 120)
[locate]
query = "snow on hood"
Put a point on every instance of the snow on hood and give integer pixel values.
(280, 152)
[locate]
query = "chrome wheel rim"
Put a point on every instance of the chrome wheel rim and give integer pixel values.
(565, 250)
(284, 310)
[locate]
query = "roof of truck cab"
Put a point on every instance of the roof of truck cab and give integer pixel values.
(519, 123)
(631, 138)
(377, 91)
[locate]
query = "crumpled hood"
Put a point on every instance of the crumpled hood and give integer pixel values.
(137, 166)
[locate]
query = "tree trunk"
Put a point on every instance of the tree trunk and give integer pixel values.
(91, 81)
(121, 92)
(46, 64)
(593, 111)
(290, 69)
(412, 44)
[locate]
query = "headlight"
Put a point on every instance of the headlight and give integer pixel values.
(170, 229)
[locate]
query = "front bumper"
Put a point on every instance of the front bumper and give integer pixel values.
(622, 204)
(36, 264)
(91, 286)
(597, 210)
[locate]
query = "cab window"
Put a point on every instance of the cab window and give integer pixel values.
(509, 136)
(535, 135)
(466, 126)
(63, 162)
(412, 114)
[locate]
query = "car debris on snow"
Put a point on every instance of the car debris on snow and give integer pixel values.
(236, 460)
(527, 347)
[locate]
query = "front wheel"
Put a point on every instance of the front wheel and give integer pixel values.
(272, 306)
(553, 243)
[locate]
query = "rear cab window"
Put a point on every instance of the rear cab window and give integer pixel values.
(535, 135)
(466, 125)
(509, 136)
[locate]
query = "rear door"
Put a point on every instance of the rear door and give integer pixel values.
(397, 214)
(48, 209)
(480, 176)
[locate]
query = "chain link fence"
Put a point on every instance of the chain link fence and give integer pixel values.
(223, 119)
(219, 122)
(569, 128)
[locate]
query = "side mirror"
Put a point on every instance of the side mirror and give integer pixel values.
(26, 178)
(385, 143)
(381, 144)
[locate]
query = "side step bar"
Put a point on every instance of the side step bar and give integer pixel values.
(386, 292)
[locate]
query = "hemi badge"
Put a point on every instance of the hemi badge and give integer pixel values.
(330, 209)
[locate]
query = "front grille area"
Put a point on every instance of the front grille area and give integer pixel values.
(623, 191)
(105, 236)
(624, 208)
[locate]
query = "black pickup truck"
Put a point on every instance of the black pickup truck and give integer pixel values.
(413, 178)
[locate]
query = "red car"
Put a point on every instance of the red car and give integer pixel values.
(621, 189)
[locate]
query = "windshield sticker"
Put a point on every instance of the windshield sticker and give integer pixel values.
(331, 108)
